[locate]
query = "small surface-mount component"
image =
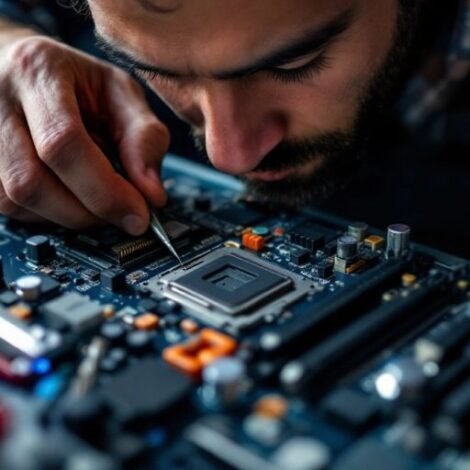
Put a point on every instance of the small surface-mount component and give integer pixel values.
(358, 230)
(252, 241)
(272, 406)
(113, 331)
(75, 309)
(160, 389)
(307, 236)
(350, 408)
(191, 357)
(408, 279)
(300, 256)
(324, 269)
(21, 311)
(114, 280)
(346, 247)
(9, 298)
(189, 326)
(147, 321)
(374, 242)
(39, 249)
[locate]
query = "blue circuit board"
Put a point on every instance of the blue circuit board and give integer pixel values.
(288, 338)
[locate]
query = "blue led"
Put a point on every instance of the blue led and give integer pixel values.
(156, 437)
(41, 366)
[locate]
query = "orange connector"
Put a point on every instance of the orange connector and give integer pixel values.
(253, 242)
(191, 357)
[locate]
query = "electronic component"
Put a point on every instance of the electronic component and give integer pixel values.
(358, 230)
(302, 453)
(76, 310)
(160, 389)
(191, 357)
(352, 409)
(308, 236)
(31, 341)
(146, 321)
(223, 382)
(300, 256)
(374, 242)
(398, 240)
(29, 287)
(228, 284)
(39, 249)
(113, 279)
(252, 241)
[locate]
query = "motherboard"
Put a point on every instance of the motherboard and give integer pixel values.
(286, 339)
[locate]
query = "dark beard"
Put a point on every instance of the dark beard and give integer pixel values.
(341, 153)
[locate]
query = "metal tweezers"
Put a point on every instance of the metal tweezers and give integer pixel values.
(160, 232)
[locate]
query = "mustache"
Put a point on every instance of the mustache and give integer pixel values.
(291, 154)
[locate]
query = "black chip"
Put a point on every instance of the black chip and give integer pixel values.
(351, 409)
(308, 236)
(371, 453)
(238, 215)
(231, 282)
(300, 256)
(145, 390)
(8, 298)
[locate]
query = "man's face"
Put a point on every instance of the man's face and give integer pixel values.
(275, 89)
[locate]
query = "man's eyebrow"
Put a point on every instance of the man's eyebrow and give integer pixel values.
(307, 43)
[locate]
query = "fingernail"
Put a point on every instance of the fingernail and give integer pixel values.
(134, 224)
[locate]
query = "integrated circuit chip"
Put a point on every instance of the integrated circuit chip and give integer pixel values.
(231, 287)
(232, 284)
(75, 310)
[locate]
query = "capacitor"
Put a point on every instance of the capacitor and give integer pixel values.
(223, 382)
(398, 240)
(346, 247)
(358, 230)
(29, 287)
(403, 378)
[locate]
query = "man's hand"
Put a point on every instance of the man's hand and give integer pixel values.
(53, 102)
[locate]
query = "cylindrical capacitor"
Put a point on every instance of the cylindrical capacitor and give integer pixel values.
(223, 382)
(402, 379)
(346, 247)
(358, 230)
(29, 287)
(398, 240)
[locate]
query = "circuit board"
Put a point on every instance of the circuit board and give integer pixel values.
(285, 340)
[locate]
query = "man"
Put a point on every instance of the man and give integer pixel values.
(282, 93)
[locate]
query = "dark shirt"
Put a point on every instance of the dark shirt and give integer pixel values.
(418, 165)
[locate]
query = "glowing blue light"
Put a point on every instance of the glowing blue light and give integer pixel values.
(156, 437)
(42, 366)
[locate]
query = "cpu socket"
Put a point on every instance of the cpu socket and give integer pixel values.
(231, 287)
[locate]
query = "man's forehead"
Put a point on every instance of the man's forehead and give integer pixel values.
(217, 32)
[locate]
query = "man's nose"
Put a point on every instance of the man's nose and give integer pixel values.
(240, 129)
